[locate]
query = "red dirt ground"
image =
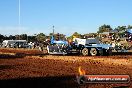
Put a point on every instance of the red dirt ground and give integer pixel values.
(46, 71)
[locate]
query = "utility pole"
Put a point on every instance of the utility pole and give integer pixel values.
(19, 23)
(19, 12)
(53, 29)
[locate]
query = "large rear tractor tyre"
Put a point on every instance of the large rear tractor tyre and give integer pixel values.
(85, 52)
(93, 51)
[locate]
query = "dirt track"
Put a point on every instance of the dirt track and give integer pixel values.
(45, 71)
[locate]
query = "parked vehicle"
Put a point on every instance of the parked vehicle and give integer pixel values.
(15, 44)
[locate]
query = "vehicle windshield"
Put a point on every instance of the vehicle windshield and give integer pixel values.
(92, 41)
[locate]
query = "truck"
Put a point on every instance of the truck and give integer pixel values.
(90, 46)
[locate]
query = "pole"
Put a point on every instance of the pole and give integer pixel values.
(53, 29)
(19, 23)
(19, 13)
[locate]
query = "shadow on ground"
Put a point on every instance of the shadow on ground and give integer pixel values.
(41, 82)
(47, 82)
(122, 53)
(8, 56)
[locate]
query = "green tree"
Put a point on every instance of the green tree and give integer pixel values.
(94, 35)
(121, 28)
(11, 37)
(23, 37)
(104, 28)
(20, 37)
(31, 38)
(41, 37)
(17, 37)
(1, 38)
(50, 34)
(62, 36)
(76, 34)
(129, 27)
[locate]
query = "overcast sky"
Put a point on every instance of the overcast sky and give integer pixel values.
(68, 16)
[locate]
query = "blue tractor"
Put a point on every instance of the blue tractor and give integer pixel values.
(58, 47)
(82, 46)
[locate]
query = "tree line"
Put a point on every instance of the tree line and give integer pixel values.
(42, 37)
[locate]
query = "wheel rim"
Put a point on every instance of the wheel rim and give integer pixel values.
(93, 52)
(85, 51)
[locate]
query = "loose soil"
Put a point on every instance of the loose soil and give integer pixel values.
(20, 68)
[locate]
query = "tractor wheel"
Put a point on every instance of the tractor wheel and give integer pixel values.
(93, 52)
(85, 52)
